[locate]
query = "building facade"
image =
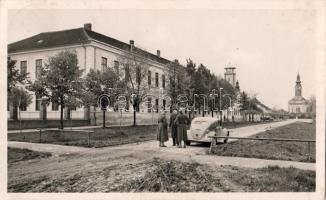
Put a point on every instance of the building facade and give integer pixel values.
(94, 51)
(298, 104)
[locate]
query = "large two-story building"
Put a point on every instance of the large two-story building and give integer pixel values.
(94, 51)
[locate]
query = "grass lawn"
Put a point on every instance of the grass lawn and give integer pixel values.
(294, 151)
(274, 179)
(100, 137)
(231, 125)
(16, 155)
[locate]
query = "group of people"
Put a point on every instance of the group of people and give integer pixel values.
(178, 127)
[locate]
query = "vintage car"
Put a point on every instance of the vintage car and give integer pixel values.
(203, 127)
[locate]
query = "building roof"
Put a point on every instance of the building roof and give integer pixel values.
(262, 106)
(298, 100)
(49, 40)
(75, 36)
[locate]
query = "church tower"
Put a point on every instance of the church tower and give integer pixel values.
(298, 104)
(298, 87)
(229, 75)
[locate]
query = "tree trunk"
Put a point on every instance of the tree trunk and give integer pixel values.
(95, 115)
(87, 112)
(104, 118)
(43, 111)
(61, 115)
(15, 112)
(134, 116)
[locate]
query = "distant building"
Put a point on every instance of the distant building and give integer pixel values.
(230, 75)
(298, 104)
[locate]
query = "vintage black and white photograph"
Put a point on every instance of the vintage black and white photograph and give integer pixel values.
(163, 100)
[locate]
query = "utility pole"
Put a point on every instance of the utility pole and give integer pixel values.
(221, 105)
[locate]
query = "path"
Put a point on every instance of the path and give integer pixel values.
(150, 149)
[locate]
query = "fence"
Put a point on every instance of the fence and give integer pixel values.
(264, 139)
(143, 118)
(54, 133)
(125, 118)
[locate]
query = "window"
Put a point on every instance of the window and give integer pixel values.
(163, 81)
(23, 106)
(37, 102)
(116, 67)
(156, 105)
(104, 63)
(156, 79)
(55, 106)
(126, 72)
(138, 75)
(164, 103)
(149, 104)
(38, 66)
(149, 77)
(73, 108)
(23, 67)
(298, 110)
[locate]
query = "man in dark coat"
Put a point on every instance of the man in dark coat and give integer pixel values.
(162, 135)
(174, 128)
(182, 121)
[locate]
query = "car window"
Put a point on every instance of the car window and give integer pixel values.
(212, 126)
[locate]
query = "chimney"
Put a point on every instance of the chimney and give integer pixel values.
(132, 44)
(88, 26)
(158, 53)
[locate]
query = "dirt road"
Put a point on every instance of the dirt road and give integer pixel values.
(126, 160)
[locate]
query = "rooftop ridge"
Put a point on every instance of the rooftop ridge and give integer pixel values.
(43, 33)
(79, 35)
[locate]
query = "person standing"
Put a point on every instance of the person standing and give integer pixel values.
(174, 128)
(162, 135)
(181, 121)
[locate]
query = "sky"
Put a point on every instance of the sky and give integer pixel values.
(267, 47)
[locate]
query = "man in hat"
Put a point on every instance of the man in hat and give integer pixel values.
(174, 128)
(181, 121)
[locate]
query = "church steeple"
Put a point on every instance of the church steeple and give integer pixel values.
(298, 87)
(298, 78)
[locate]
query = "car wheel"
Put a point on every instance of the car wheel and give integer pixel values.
(188, 142)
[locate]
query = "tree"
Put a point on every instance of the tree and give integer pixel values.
(135, 83)
(13, 92)
(249, 103)
(312, 103)
(19, 97)
(57, 80)
(203, 81)
(97, 83)
(178, 80)
(312, 106)
(13, 75)
(244, 100)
